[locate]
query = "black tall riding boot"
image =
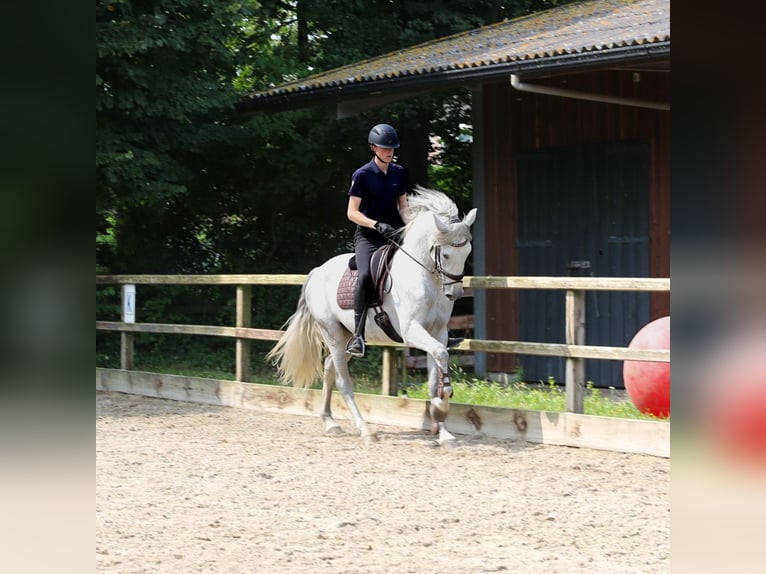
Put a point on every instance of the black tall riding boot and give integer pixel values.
(355, 345)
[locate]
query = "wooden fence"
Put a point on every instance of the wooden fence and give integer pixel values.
(574, 349)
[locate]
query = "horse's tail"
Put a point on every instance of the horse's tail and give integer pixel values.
(298, 353)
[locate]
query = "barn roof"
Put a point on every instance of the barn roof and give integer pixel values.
(583, 35)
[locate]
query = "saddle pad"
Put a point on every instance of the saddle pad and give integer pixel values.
(346, 289)
(380, 277)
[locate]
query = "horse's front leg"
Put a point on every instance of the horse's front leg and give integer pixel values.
(439, 384)
(440, 392)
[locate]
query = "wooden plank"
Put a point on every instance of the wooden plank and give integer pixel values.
(243, 321)
(173, 329)
(126, 350)
(581, 283)
(607, 433)
(128, 315)
(562, 350)
(522, 348)
(575, 335)
(388, 373)
(277, 279)
(565, 429)
(659, 284)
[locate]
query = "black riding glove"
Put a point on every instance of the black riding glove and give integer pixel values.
(385, 230)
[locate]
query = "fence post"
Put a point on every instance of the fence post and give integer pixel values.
(389, 384)
(405, 352)
(575, 335)
(244, 320)
(128, 316)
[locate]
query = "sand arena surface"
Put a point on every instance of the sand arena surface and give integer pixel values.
(192, 488)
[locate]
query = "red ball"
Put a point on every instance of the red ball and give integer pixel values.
(648, 383)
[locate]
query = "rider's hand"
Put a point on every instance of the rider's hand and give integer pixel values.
(385, 230)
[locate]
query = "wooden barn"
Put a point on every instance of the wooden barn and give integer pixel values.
(571, 161)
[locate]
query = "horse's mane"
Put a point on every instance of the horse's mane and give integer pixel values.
(426, 200)
(433, 201)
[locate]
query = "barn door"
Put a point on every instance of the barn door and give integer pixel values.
(583, 210)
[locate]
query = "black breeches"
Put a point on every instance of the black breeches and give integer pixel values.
(364, 247)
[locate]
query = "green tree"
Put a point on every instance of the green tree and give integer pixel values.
(185, 184)
(164, 98)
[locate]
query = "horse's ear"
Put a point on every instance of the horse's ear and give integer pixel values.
(441, 225)
(470, 218)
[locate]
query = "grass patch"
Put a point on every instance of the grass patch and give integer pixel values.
(534, 397)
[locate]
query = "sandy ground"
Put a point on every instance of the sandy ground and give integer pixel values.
(187, 488)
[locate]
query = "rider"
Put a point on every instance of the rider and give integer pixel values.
(377, 203)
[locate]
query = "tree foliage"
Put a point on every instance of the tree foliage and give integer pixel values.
(163, 97)
(185, 184)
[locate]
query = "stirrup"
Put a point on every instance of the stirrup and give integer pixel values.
(355, 346)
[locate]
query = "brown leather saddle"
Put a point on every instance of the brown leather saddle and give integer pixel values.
(380, 265)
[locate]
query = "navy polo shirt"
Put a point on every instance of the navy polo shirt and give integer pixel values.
(380, 191)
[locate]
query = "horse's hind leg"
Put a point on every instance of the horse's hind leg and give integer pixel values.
(328, 380)
(346, 388)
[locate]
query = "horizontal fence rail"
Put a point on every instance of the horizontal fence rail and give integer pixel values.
(288, 279)
(175, 329)
(574, 351)
(519, 347)
(657, 284)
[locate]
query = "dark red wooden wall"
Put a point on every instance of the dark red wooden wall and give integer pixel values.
(517, 121)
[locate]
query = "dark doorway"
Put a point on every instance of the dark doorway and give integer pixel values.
(583, 210)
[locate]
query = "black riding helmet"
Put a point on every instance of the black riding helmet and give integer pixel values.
(383, 135)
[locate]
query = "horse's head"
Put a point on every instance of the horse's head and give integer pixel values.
(435, 230)
(450, 249)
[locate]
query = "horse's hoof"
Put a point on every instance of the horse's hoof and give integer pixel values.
(447, 442)
(446, 438)
(334, 431)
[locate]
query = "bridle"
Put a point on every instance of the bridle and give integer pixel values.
(436, 258)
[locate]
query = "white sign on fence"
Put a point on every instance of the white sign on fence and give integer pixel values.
(129, 303)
